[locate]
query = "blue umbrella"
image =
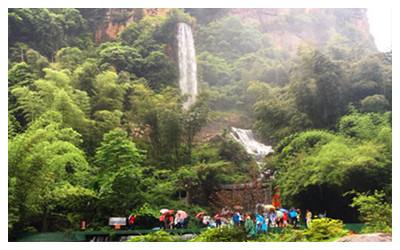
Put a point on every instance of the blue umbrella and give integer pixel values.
(284, 210)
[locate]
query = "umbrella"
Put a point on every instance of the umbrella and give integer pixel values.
(268, 206)
(279, 213)
(169, 212)
(284, 210)
(182, 214)
(199, 214)
(163, 210)
(217, 217)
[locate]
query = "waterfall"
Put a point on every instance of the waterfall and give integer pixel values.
(187, 63)
(253, 147)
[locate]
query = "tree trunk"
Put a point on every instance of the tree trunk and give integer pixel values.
(46, 220)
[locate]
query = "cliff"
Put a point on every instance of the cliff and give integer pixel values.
(116, 20)
(288, 27)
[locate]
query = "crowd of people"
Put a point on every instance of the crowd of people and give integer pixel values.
(255, 223)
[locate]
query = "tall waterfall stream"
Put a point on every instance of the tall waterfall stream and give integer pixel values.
(187, 63)
(188, 85)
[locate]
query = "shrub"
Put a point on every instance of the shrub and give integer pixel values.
(374, 211)
(159, 236)
(325, 228)
(223, 234)
(287, 234)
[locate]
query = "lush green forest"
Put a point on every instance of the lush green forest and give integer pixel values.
(98, 130)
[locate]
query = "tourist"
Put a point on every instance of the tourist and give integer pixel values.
(162, 223)
(308, 218)
(298, 217)
(260, 223)
(206, 221)
(273, 218)
(217, 220)
(236, 219)
(293, 217)
(168, 221)
(241, 219)
(279, 215)
(186, 222)
(249, 226)
(284, 219)
(178, 221)
(131, 221)
(200, 220)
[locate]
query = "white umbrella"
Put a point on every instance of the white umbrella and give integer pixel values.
(164, 210)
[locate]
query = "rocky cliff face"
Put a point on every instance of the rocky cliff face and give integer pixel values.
(297, 26)
(117, 19)
(287, 26)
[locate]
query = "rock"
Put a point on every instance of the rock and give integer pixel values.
(379, 237)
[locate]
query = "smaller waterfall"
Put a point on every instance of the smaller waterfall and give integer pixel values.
(187, 63)
(253, 147)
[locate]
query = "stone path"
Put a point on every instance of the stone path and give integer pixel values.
(379, 237)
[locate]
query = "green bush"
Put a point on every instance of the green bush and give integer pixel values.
(325, 228)
(374, 211)
(223, 234)
(287, 234)
(159, 236)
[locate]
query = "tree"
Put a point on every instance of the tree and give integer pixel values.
(313, 169)
(124, 58)
(375, 104)
(69, 58)
(43, 160)
(374, 211)
(119, 173)
(108, 93)
(195, 118)
(317, 88)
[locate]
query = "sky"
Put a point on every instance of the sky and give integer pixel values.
(380, 21)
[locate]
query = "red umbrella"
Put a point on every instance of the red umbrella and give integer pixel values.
(182, 214)
(199, 214)
(169, 212)
(217, 217)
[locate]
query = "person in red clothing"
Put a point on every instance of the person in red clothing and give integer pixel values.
(162, 223)
(168, 220)
(131, 220)
(284, 218)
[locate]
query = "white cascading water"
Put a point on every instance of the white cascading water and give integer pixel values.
(187, 63)
(188, 85)
(253, 147)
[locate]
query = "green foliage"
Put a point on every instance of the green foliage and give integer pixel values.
(223, 234)
(287, 234)
(42, 160)
(119, 174)
(68, 91)
(313, 169)
(375, 103)
(374, 211)
(325, 228)
(159, 236)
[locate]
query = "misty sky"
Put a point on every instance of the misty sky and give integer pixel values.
(380, 21)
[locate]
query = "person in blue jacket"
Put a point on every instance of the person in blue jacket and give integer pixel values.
(236, 219)
(260, 223)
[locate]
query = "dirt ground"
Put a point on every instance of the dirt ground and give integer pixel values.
(379, 237)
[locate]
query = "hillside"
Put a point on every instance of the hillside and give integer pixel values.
(97, 125)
